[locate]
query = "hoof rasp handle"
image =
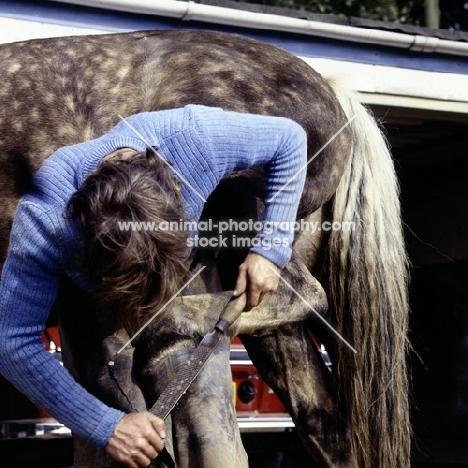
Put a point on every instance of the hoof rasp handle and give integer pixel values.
(231, 312)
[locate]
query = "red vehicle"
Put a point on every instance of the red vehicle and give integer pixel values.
(252, 396)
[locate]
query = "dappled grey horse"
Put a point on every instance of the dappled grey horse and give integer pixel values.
(57, 92)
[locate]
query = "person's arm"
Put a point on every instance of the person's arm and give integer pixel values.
(233, 141)
(28, 288)
(238, 141)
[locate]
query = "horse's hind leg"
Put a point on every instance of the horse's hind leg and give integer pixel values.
(287, 361)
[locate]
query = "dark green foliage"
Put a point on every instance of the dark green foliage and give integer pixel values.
(454, 14)
(401, 11)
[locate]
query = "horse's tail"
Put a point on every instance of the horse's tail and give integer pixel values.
(367, 281)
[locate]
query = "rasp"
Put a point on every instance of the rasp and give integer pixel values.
(190, 369)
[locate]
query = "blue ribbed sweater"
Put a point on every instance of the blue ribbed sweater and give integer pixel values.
(203, 144)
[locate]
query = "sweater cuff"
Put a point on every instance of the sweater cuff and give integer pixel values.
(106, 427)
(277, 254)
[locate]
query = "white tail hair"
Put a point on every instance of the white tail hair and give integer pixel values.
(368, 282)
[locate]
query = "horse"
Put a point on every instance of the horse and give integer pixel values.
(63, 91)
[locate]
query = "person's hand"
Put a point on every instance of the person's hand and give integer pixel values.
(137, 439)
(257, 278)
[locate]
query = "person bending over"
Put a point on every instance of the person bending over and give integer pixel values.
(68, 224)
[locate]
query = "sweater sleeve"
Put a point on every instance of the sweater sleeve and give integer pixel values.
(237, 141)
(28, 289)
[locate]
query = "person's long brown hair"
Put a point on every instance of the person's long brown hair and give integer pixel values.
(134, 269)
